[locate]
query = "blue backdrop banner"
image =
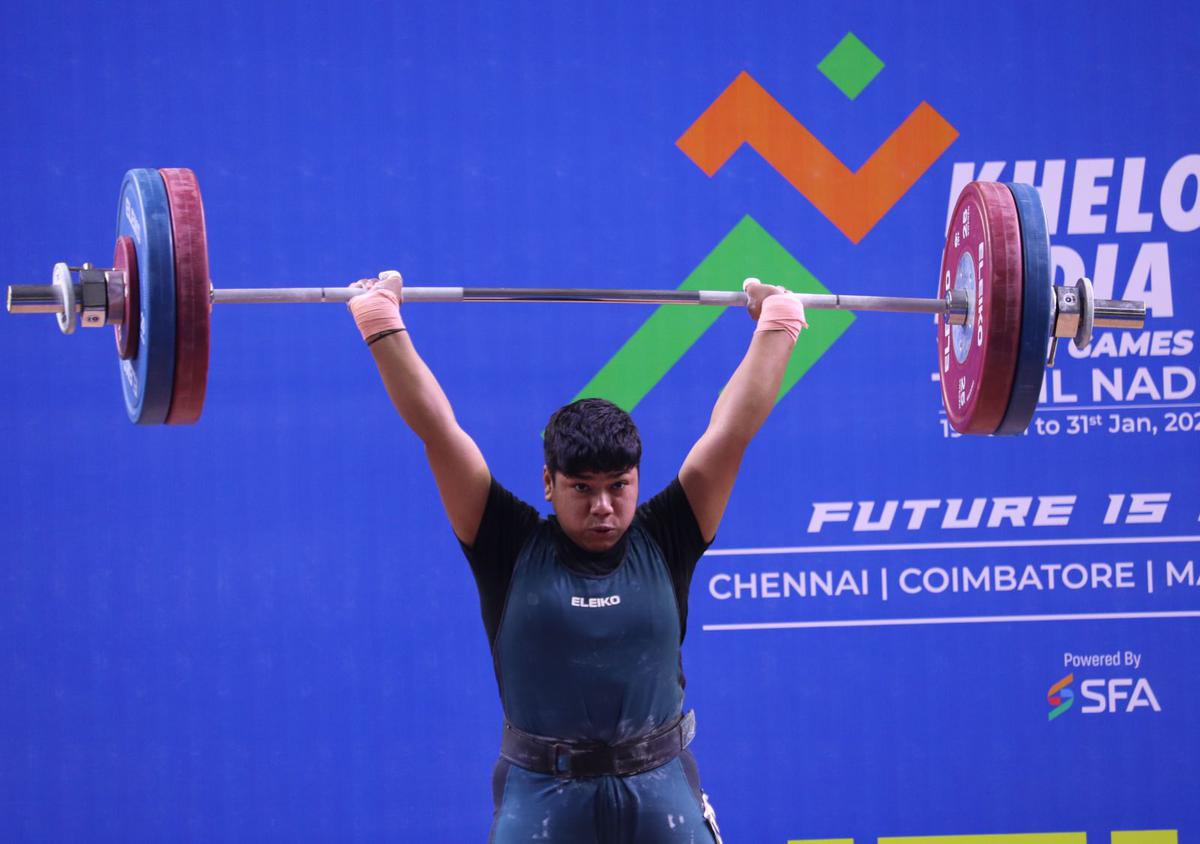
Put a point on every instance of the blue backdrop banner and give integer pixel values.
(261, 628)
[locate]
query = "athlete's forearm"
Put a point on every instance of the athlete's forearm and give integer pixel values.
(458, 466)
(413, 389)
(748, 398)
(711, 467)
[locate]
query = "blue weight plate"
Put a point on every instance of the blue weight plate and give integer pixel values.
(144, 215)
(1036, 311)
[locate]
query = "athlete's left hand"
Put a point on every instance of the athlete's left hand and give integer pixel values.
(757, 293)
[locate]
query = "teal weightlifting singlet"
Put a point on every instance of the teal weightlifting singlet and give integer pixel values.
(589, 657)
(587, 649)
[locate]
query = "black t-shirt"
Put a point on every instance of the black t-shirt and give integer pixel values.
(508, 522)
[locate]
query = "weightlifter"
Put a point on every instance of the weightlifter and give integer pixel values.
(586, 611)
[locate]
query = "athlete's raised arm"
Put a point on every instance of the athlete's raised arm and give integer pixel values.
(458, 466)
(712, 465)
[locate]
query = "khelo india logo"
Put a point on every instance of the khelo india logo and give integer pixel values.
(853, 201)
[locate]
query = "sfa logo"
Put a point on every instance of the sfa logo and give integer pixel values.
(1104, 695)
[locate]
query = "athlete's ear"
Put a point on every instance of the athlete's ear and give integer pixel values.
(547, 481)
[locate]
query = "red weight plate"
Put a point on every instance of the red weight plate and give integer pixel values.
(125, 259)
(193, 300)
(978, 361)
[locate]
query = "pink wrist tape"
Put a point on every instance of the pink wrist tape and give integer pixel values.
(376, 311)
(782, 312)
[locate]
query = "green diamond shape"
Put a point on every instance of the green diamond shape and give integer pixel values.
(851, 65)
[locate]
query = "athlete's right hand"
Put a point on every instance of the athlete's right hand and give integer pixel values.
(389, 280)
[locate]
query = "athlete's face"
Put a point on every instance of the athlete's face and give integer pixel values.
(594, 509)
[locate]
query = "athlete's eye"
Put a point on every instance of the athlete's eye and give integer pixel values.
(581, 487)
(619, 485)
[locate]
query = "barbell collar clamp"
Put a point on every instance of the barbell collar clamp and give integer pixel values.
(1078, 312)
(93, 298)
(98, 297)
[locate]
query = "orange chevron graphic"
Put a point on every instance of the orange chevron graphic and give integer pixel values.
(854, 201)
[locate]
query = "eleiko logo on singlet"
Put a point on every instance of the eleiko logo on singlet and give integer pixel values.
(606, 601)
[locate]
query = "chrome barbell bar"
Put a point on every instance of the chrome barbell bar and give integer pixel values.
(956, 306)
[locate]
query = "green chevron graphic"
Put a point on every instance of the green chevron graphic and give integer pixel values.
(664, 338)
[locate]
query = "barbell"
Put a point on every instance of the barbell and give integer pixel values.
(999, 316)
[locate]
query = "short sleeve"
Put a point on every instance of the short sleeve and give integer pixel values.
(506, 524)
(669, 520)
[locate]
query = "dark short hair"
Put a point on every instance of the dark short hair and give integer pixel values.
(591, 435)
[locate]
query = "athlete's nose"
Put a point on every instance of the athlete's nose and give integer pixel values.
(602, 505)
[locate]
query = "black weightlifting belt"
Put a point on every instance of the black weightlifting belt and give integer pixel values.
(570, 759)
